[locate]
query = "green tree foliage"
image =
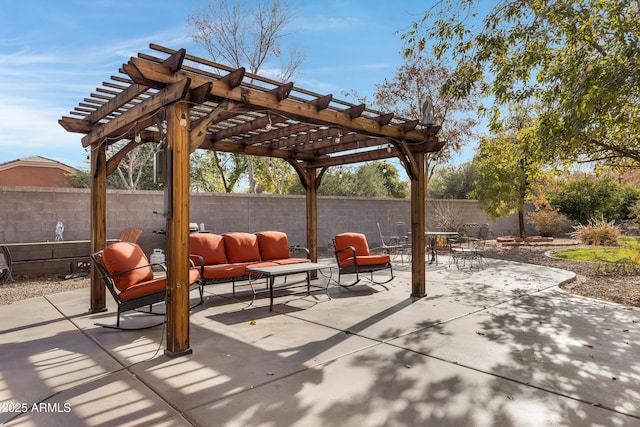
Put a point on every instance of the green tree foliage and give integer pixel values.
(454, 182)
(215, 171)
(377, 179)
(508, 163)
(579, 60)
(586, 198)
(274, 176)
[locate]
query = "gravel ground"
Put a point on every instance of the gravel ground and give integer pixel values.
(593, 280)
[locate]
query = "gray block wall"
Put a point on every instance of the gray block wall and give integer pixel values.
(30, 214)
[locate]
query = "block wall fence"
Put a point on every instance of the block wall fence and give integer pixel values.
(30, 214)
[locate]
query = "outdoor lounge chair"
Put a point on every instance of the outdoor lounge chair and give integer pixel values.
(130, 235)
(128, 275)
(353, 257)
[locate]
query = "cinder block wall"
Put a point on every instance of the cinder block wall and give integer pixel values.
(30, 214)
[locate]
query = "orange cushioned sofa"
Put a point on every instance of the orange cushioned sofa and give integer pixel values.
(226, 258)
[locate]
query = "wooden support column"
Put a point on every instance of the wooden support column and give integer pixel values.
(177, 233)
(312, 214)
(418, 269)
(98, 221)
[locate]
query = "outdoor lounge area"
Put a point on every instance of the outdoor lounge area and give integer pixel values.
(498, 346)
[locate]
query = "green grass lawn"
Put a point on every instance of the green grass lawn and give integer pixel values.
(628, 253)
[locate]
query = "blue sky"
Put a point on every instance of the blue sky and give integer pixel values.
(53, 54)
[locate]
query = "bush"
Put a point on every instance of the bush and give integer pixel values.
(548, 221)
(597, 233)
(589, 197)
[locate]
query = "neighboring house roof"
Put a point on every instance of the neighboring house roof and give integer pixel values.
(36, 161)
(35, 171)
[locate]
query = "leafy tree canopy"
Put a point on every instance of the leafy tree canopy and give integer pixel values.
(454, 182)
(377, 179)
(579, 60)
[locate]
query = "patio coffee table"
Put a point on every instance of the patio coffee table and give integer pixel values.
(271, 272)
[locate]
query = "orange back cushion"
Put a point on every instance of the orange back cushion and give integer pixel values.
(209, 246)
(357, 240)
(241, 247)
(273, 245)
(124, 256)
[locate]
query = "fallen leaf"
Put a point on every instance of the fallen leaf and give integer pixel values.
(588, 345)
(253, 322)
(625, 330)
(596, 404)
(270, 373)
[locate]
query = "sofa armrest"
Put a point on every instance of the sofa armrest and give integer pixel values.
(297, 248)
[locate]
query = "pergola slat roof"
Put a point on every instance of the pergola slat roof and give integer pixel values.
(261, 116)
(188, 103)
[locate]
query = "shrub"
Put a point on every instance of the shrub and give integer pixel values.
(547, 221)
(590, 197)
(597, 233)
(446, 216)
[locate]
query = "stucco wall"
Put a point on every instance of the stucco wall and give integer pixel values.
(30, 214)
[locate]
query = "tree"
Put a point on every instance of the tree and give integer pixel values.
(135, 172)
(377, 179)
(419, 79)
(246, 34)
(454, 182)
(579, 60)
(508, 163)
(274, 175)
(135, 165)
(216, 172)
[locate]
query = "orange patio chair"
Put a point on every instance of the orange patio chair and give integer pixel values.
(353, 257)
(127, 273)
(130, 235)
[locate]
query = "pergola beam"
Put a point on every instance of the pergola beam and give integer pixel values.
(166, 96)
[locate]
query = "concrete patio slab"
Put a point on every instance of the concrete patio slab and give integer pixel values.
(499, 346)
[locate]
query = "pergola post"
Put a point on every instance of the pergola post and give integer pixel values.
(177, 232)
(98, 221)
(312, 214)
(418, 269)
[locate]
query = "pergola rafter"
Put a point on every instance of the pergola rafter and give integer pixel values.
(188, 103)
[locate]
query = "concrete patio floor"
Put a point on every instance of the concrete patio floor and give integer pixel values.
(502, 346)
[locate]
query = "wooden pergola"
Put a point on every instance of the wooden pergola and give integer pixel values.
(185, 103)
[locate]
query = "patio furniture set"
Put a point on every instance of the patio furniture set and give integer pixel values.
(245, 258)
(231, 258)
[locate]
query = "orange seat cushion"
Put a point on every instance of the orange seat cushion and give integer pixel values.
(144, 288)
(273, 245)
(225, 271)
(123, 256)
(366, 260)
(357, 240)
(209, 246)
(241, 247)
(152, 286)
